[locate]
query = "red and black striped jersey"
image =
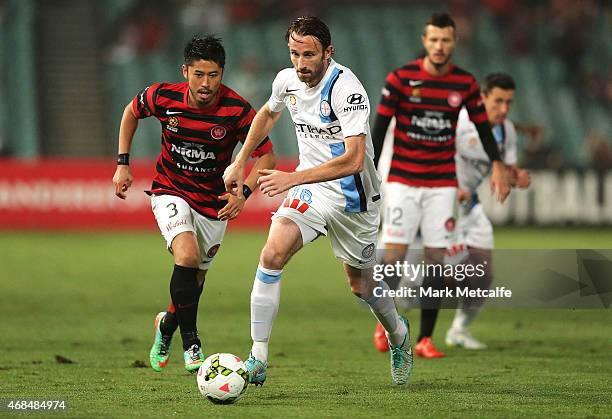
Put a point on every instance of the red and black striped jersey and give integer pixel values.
(426, 108)
(196, 144)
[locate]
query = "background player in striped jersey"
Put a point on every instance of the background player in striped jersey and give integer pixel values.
(425, 96)
(473, 165)
(334, 190)
(202, 121)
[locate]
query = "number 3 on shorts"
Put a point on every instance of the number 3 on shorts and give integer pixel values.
(173, 210)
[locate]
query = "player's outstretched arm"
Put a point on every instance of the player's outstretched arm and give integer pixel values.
(274, 182)
(235, 204)
(265, 162)
(123, 176)
(262, 124)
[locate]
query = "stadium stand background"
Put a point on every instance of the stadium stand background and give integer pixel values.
(67, 68)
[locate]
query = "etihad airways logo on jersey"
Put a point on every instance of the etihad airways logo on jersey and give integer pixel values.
(193, 153)
(432, 122)
(313, 132)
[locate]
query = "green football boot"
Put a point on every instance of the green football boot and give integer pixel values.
(194, 358)
(160, 351)
(402, 359)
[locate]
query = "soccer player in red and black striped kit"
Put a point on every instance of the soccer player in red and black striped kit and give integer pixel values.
(202, 121)
(425, 96)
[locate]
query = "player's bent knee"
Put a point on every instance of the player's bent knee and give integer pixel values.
(187, 260)
(272, 258)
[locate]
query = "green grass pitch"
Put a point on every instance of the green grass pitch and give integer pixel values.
(92, 298)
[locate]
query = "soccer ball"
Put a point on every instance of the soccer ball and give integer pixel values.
(222, 378)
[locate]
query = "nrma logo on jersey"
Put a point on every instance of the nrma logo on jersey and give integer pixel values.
(432, 122)
(193, 153)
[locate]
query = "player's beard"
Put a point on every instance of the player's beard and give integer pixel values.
(201, 102)
(440, 65)
(313, 77)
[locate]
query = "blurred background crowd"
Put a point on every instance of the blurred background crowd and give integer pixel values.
(68, 67)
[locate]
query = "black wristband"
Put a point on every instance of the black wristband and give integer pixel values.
(246, 191)
(123, 159)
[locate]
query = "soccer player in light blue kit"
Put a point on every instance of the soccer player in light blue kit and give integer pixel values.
(334, 191)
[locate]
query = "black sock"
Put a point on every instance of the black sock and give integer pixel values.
(430, 306)
(428, 322)
(185, 294)
(169, 324)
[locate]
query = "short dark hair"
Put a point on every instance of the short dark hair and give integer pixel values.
(502, 80)
(440, 20)
(208, 48)
(310, 25)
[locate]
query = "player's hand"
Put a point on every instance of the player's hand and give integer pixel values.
(233, 208)
(463, 195)
(500, 181)
(274, 182)
(523, 177)
(122, 180)
(233, 178)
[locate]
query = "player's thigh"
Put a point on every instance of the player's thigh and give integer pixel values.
(402, 213)
(479, 230)
(439, 216)
(210, 235)
(302, 205)
(173, 216)
(296, 223)
(353, 235)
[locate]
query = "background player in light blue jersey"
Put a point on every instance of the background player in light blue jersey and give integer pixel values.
(473, 165)
(334, 191)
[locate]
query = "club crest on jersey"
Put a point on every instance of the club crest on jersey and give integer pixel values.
(173, 122)
(473, 141)
(454, 99)
(325, 108)
(218, 132)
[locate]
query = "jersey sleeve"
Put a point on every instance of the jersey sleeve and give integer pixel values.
(390, 95)
(244, 124)
(351, 105)
(144, 104)
(473, 104)
(478, 115)
(511, 157)
(276, 102)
